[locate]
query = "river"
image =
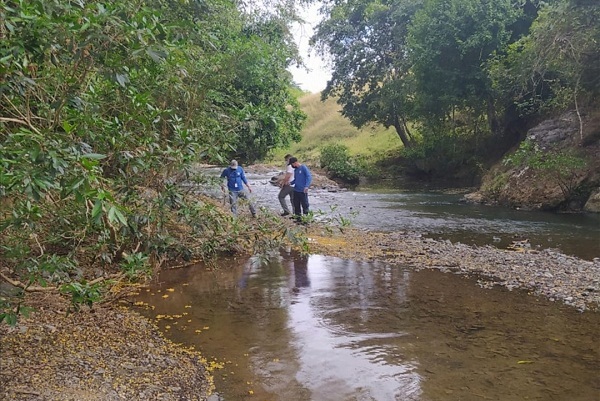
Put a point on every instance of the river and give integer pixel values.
(443, 215)
(288, 327)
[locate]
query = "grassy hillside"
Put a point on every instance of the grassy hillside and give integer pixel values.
(325, 125)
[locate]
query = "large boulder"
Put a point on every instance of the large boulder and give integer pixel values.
(593, 203)
(528, 187)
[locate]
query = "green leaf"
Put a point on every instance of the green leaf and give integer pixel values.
(111, 214)
(120, 217)
(97, 210)
(156, 55)
(122, 79)
(67, 127)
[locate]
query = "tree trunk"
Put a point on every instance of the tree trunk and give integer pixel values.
(402, 132)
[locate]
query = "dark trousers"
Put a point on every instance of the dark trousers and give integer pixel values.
(300, 201)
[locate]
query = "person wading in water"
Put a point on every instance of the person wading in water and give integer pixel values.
(286, 187)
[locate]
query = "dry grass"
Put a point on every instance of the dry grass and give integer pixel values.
(325, 125)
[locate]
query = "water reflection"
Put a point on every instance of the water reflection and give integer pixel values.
(341, 355)
(320, 328)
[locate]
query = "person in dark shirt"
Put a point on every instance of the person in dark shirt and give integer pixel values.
(301, 183)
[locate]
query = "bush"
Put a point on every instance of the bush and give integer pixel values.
(562, 166)
(335, 159)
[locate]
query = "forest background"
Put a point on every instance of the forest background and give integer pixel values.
(107, 108)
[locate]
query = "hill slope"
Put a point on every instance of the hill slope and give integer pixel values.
(325, 125)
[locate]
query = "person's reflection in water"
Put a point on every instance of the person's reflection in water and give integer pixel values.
(301, 272)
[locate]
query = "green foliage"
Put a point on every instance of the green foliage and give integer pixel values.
(459, 65)
(82, 293)
(332, 219)
(555, 66)
(336, 160)
(10, 313)
(495, 186)
(106, 108)
(136, 265)
(563, 166)
(450, 148)
(450, 42)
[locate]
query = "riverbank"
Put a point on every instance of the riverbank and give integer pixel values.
(548, 273)
(106, 353)
(112, 353)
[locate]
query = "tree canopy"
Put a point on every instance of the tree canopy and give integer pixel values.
(105, 109)
(457, 72)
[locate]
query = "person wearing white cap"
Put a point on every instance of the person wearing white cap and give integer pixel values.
(235, 177)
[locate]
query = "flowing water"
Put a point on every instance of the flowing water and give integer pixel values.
(297, 328)
(441, 215)
(320, 328)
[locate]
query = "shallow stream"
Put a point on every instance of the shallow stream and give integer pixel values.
(321, 328)
(296, 328)
(443, 215)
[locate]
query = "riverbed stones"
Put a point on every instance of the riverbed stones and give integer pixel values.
(549, 273)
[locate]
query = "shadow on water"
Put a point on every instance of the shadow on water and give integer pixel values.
(321, 328)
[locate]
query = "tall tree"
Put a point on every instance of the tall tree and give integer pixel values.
(259, 96)
(450, 43)
(367, 42)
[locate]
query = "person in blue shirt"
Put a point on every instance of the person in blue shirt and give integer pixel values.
(235, 177)
(301, 183)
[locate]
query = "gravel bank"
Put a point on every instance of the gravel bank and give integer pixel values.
(103, 354)
(549, 273)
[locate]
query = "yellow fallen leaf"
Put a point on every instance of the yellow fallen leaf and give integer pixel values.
(524, 362)
(171, 289)
(166, 296)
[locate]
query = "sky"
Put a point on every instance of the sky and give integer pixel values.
(316, 78)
